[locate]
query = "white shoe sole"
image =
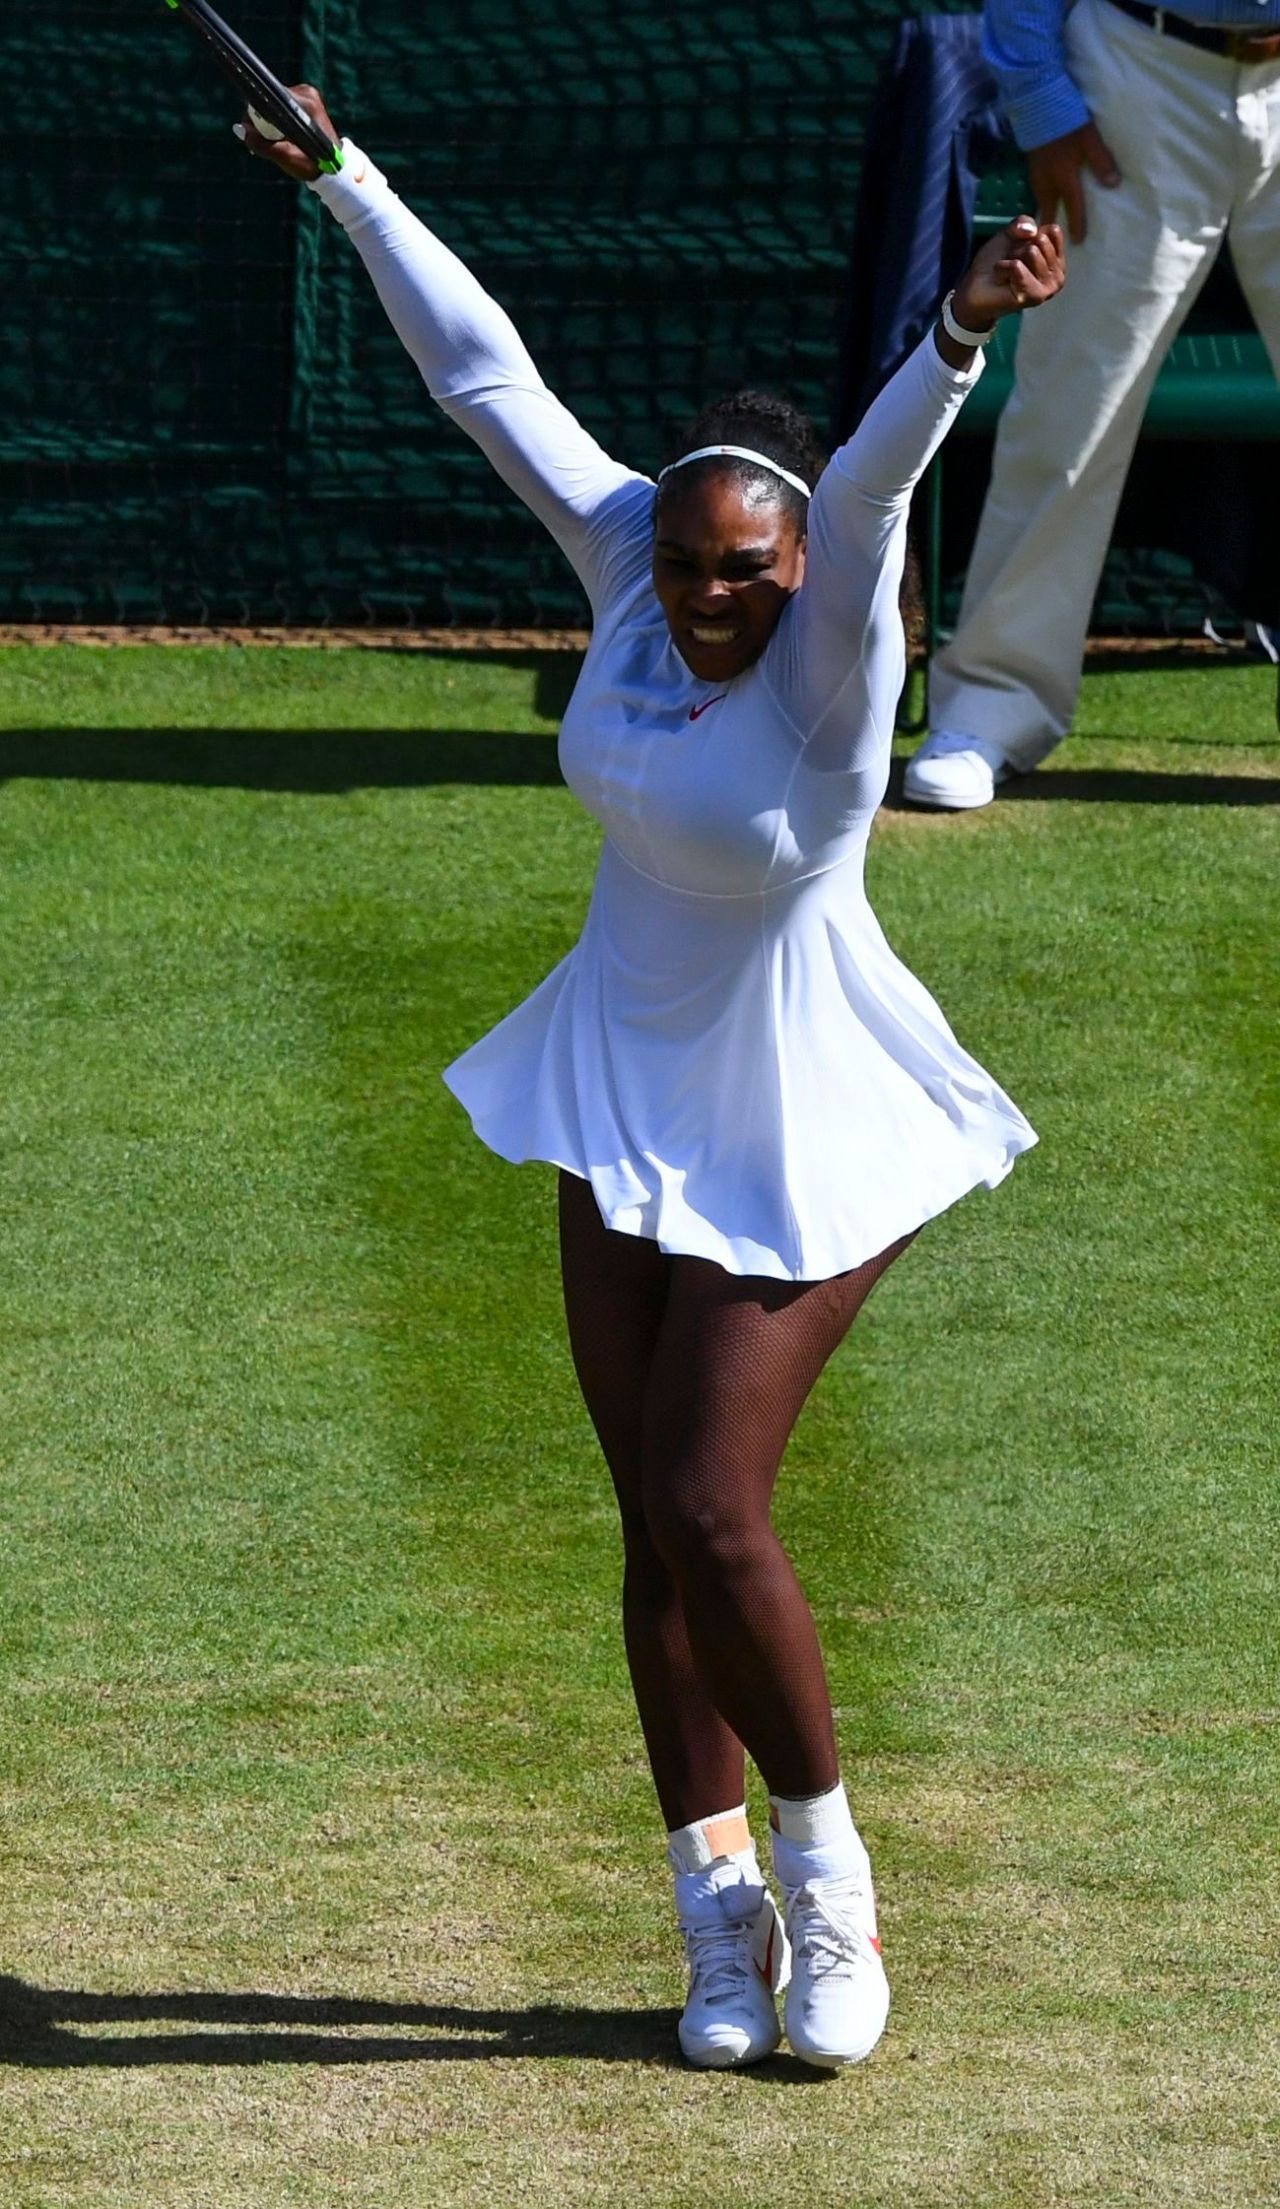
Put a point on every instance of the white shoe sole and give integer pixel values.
(710, 2057)
(944, 802)
(946, 805)
(822, 2060)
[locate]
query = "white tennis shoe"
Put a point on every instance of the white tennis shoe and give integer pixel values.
(738, 1962)
(953, 772)
(838, 1999)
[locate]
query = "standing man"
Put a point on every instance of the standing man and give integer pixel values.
(1155, 130)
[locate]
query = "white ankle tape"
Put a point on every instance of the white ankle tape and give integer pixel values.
(812, 1820)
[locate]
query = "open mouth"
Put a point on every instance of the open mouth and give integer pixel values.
(714, 632)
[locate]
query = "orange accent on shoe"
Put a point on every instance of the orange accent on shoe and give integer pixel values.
(766, 1968)
(875, 1943)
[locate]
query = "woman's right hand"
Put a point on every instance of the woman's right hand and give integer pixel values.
(1020, 267)
(282, 151)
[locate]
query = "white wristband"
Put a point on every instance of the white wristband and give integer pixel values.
(957, 330)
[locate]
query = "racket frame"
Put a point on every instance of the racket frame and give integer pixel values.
(263, 90)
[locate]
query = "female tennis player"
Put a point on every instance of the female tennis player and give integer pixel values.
(753, 1105)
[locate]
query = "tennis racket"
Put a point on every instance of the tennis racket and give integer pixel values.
(265, 96)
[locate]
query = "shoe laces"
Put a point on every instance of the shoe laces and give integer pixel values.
(825, 1925)
(719, 1959)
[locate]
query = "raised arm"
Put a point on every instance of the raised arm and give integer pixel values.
(479, 372)
(845, 617)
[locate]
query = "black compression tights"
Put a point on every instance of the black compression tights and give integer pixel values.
(694, 1378)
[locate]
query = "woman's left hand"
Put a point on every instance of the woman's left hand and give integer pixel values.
(1022, 266)
(281, 151)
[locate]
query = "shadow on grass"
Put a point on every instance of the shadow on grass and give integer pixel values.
(1137, 786)
(1115, 785)
(320, 762)
(37, 2032)
(329, 762)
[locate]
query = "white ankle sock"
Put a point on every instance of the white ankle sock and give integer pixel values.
(725, 1833)
(814, 1837)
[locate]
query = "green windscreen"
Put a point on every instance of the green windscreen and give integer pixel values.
(208, 418)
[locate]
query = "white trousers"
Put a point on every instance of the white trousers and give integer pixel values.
(1197, 142)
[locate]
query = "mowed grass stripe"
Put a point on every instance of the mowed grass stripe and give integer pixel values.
(325, 1817)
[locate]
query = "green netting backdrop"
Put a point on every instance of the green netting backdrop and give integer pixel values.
(206, 416)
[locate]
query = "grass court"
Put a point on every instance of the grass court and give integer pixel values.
(330, 1865)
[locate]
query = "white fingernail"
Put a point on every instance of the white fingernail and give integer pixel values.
(237, 131)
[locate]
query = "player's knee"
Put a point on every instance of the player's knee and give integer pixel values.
(698, 1536)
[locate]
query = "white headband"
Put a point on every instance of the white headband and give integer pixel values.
(739, 452)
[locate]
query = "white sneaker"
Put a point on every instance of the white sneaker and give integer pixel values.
(838, 1999)
(738, 1960)
(955, 772)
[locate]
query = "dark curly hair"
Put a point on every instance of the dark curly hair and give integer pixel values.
(769, 424)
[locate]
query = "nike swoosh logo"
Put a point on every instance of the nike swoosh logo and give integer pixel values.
(694, 711)
(766, 1968)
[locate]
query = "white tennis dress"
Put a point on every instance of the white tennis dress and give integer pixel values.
(731, 1054)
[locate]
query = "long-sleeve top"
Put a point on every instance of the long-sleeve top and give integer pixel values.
(731, 1053)
(1023, 42)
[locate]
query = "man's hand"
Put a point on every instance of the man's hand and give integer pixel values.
(282, 151)
(1020, 267)
(1053, 172)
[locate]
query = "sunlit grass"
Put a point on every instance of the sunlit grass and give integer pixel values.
(331, 1869)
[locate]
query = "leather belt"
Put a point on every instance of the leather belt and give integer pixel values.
(1246, 46)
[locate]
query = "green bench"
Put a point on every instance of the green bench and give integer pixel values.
(1211, 385)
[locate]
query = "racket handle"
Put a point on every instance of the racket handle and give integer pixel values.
(232, 52)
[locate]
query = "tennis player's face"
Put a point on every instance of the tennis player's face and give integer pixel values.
(724, 567)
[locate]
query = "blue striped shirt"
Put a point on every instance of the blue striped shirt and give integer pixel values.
(1022, 40)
